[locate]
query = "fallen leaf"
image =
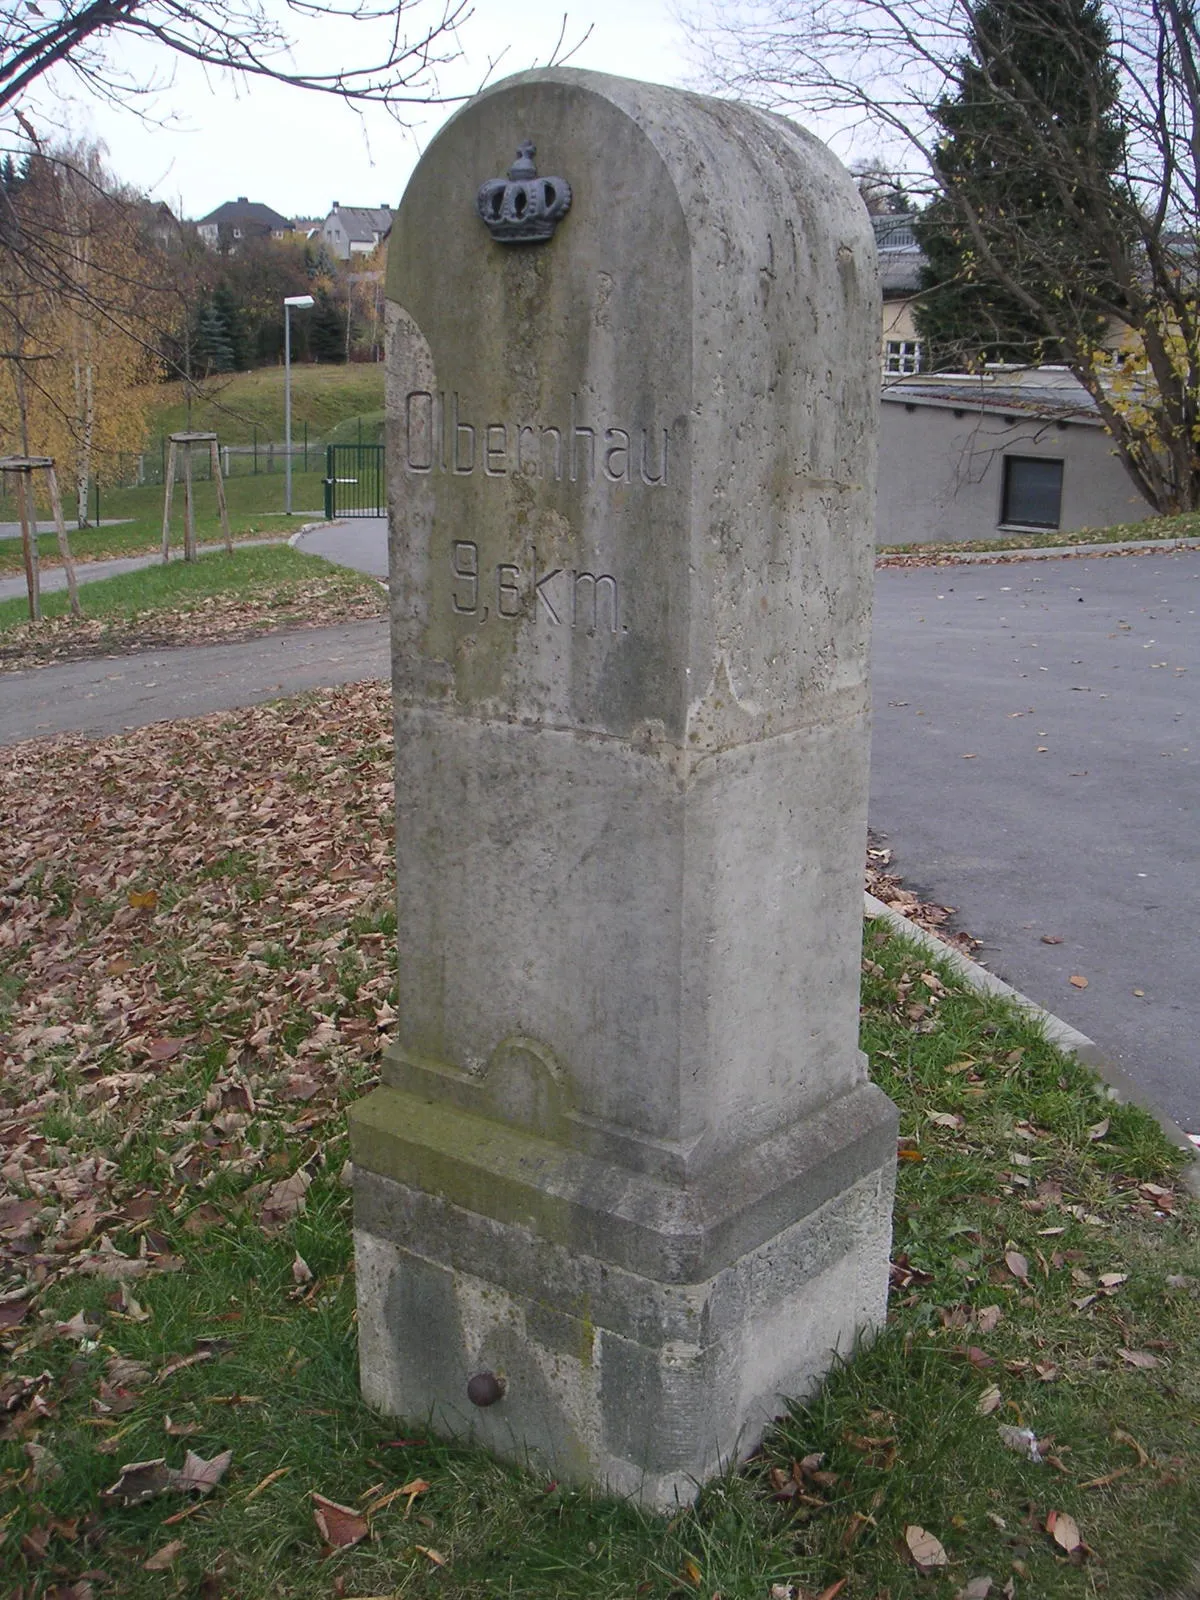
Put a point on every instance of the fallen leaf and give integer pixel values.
(1064, 1531)
(200, 1476)
(301, 1271)
(124, 1373)
(339, 1526)
(435, 1556)
(143, 899)
(1051, 938)
(1108, 1478)
(987, 1318)
(1078, 980)
(1017, 1264)
(129, 1307)
(265, 1483)
(989, 1401)
(181, 1430)
(285, 1199)
(165, 1049)
(1139, 1358)
(77, 1328)
(1121, 1437)
(977, 1589)
(926, 1550)
(178, 1363)
(13, 1314)
(162, 1559)
(945, 1119)
(1099, 1129)
(140, 1480)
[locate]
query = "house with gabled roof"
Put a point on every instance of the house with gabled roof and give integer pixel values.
(355, 230)
(237, 220)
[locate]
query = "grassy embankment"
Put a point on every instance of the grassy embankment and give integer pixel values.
(218, 598)
(332, 400)
(197, 981)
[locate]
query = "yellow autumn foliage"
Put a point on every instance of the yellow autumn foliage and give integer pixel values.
(77, 320)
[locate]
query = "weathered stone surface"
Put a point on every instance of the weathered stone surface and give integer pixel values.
(631, 505)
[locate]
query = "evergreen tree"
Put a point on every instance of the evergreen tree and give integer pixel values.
(326, 329)
(212, 350)
(1031, 141)
(225, 303)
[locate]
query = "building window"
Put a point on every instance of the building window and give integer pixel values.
(1032, 492)
(901, 357)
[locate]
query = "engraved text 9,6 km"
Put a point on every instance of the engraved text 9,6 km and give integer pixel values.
(587, 600)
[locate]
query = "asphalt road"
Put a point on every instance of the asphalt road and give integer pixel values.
(1036, 764)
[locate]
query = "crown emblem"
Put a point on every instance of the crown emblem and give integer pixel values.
(523, 208)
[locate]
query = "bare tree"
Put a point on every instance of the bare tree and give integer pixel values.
(403, 44)
(877, 71)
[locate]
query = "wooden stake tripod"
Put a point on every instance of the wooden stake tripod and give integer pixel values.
(189, 509)
(24, 467)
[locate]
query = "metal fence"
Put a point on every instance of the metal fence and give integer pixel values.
(354, 481)
(360, 459)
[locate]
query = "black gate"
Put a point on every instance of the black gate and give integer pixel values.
(354, 481)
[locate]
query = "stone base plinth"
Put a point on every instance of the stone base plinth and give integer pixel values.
(647, 1324)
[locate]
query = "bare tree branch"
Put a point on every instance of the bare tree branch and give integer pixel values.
(874, 73)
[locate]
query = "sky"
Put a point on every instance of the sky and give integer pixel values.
(299, 152)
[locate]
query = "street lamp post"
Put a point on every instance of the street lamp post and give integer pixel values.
(301, 302)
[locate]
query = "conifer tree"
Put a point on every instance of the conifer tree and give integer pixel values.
(326, 329)
(1030, 144)
(225, 303)
(212, 350)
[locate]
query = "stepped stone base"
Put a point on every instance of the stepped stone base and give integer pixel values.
(647, 1328)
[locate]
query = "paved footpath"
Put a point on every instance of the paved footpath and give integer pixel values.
(1036, 764)
(110, 694)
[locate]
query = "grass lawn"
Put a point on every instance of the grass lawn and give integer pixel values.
(218, 597)
(234, 404)
(1185, 526)
(255, 511)
(198, 935)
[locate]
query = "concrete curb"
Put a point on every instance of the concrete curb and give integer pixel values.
(1041, 552)
(294, 538)
(1068, 1039)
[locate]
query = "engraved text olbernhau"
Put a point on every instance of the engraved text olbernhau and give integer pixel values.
(439, 437)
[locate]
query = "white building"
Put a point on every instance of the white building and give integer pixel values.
(355, 230)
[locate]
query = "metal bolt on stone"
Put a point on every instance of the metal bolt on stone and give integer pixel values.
(624, 1149)
(485, 1388)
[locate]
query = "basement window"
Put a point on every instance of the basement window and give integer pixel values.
(1032, 492)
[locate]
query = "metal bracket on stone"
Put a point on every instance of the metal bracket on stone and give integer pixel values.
(523, 208)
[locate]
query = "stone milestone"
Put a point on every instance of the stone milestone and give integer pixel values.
(625, 1184)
